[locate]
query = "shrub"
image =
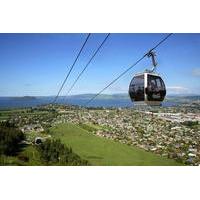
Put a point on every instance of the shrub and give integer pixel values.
(190, 123)
(53, 152)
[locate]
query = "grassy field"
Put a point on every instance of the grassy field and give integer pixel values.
(105, 152)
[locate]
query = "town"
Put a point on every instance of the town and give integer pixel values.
(172, 132)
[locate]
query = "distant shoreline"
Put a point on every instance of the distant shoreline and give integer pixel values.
(116, 100)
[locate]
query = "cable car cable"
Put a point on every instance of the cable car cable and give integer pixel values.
(114, 80)
(81, 73)
(56, 97)
(161, 42)
(164, 39)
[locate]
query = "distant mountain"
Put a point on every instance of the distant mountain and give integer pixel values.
(24, 98)
(182, 98)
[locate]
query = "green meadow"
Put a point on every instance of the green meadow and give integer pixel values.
(104, 152)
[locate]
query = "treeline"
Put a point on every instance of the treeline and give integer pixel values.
(53, 152)
(10, 138)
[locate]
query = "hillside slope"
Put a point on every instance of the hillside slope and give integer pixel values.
(103, 152)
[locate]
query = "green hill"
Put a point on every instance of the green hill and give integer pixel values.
(105, 152)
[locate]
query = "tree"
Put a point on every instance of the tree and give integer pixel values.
(10, 137)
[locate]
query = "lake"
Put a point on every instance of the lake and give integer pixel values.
(10, 102)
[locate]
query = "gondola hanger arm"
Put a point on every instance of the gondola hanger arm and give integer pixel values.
(152, 54)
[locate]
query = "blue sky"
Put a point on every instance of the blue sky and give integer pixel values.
(36, 64)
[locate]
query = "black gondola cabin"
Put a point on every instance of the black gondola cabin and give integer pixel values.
(147, 88)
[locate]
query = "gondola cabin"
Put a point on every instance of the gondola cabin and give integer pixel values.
(147, 88)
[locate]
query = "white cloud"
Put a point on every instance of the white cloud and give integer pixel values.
(196, 72)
